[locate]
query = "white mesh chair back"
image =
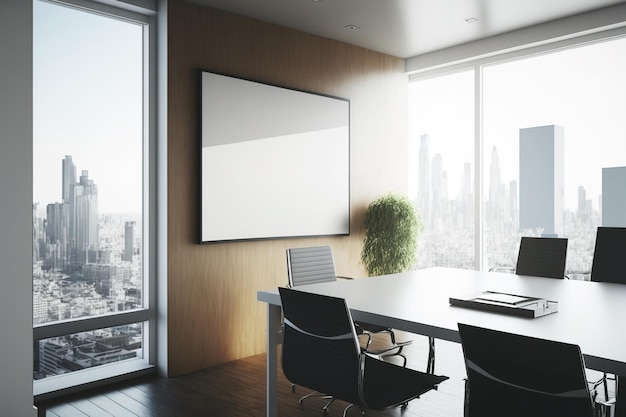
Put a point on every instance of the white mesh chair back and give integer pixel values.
(310, 265)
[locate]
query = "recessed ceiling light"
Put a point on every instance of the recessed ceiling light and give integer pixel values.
(471, 20)
(351, 27)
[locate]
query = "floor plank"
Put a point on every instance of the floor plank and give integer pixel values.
(89, 408)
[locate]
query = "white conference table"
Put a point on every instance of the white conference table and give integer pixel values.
(590, 314)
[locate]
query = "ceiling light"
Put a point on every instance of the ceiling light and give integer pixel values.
(471, 20)
(351, 27)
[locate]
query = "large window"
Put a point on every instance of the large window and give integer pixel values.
(553, 160)
(91, 269)
(441, 182)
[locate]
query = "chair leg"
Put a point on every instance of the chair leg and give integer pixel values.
(430, 367)
(345, 412)
(325, 408)
(315, 394)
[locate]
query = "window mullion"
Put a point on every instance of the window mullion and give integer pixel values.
(478, 167)
(56, 329)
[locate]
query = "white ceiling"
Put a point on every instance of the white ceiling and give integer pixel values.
(406, 28)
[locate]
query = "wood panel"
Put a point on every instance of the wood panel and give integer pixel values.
(213, 315)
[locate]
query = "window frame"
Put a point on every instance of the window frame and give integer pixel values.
(477, 64)
(143, 13)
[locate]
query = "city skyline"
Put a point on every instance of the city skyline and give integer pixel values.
(580, 89)
(87, 102)
(438, 187)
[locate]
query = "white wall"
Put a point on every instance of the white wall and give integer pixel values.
(16, 132)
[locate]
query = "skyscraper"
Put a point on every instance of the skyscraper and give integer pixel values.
(129, 241)
(467, 195)
(584, 205)
(494, 182)
(613, 197)
(541, 191)
(84, 228)
(68, 179)
(56, 234)
(436, 189)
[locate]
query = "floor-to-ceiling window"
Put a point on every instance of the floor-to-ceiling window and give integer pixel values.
(553, 125)
(553, 150)
(92, 307)
(441, 151)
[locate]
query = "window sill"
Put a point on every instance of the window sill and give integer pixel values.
(55, 386)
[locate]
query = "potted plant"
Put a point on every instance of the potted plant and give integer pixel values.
(391, 228)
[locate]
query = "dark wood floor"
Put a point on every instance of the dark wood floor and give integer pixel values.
(238, 389)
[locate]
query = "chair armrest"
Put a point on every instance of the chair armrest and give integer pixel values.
(382, 352)
(509, 269)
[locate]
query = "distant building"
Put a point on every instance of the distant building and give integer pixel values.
(541, 190)
(68, 178)
(84, 227)
(129, 241)
(57, 219)
(106, 276)
(494, 182)
(584, 205)
(614, 197)
(467, 196)
(49, 354)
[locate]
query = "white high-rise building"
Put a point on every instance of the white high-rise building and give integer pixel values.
(84, 227)
(613, 197)
(541, 190)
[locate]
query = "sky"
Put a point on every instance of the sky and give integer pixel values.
(583, 90)
(87, 103)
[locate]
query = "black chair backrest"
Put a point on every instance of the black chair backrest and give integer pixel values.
(310, 265)
(609, 256)
(320, 348)
(542, 257)
(518, 376)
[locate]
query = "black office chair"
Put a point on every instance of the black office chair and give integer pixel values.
(609, 255)
(519, 376)
(320, 350)
(540, 257)
(608, 266)
(312, 265)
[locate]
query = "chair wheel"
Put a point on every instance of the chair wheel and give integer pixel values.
(293, 388)
(404, 406)
(325, 411)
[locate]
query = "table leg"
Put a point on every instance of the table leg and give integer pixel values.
(273, 327)
(620, 393)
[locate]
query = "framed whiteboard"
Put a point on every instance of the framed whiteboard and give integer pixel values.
(275, 161)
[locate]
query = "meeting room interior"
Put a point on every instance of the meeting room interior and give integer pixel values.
(167, 165)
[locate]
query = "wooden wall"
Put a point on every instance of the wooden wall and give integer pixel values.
(213, 315)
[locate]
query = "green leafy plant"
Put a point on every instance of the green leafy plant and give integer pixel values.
(391, 228)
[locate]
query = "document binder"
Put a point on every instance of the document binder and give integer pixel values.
(517, 305)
